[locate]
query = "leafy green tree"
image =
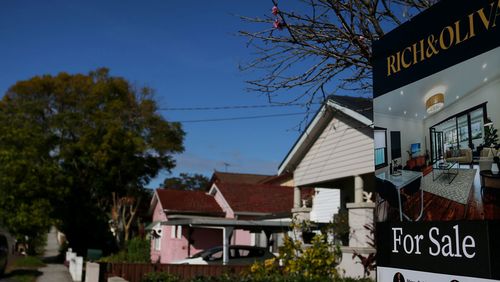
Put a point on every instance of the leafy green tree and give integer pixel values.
(71, 141)
(187, 181)
(30, 181)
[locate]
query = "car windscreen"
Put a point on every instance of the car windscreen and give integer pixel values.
(205, 253)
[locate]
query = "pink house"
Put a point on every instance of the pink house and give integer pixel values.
(170, 243)
(186, 222)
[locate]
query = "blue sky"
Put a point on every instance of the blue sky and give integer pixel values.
(187, 51)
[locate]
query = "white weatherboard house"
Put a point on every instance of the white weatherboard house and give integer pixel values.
(336, 151)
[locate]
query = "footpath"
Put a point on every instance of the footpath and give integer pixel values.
(53, 271)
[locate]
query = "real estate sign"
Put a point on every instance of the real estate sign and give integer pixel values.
(448, 33)
(456, 248)
(436, 112)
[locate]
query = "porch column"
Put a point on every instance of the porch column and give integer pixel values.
(268, 239)
(189, 234)
(296, 197)
(361, 214)
(358, 189)
(299, 212)
(226, 234)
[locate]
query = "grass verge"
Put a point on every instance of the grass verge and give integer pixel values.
(24, 269)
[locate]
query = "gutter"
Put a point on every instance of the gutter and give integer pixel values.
(216, 214)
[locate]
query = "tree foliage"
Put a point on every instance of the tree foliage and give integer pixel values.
(69, 142)
(321, 46)
(186, 181)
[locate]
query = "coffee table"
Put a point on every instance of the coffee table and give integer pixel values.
(446, 168)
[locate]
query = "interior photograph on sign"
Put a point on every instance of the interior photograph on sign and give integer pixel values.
(437, 146)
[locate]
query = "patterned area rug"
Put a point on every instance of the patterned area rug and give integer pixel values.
(457, 191)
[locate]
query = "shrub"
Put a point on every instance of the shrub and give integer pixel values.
(314, 263)
(121, 256)
(340, 227)
(137, 250)
(160, 277)
(249, 277)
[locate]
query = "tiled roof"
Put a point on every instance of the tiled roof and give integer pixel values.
(361, 105)
(188, 201)
(278, 179)
(245, 178)
(262, 198)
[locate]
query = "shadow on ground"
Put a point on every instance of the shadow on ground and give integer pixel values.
(22, 272)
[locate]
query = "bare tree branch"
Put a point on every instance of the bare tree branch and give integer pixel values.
(325, 49)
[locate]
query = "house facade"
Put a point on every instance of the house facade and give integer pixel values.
(336, 152)
(170, 242)
(237, 211)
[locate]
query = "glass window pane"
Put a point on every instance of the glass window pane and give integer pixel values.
(379, 137)
(463, 131)
(379, 156)
(477, 127)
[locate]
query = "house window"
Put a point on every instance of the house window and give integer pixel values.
(176, 232)
(380, 138)
(179, 232)
(157, 243)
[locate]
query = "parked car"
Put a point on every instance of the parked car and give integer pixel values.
(238, 255)
(4, 253)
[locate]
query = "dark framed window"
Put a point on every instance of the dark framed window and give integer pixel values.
(395, 145)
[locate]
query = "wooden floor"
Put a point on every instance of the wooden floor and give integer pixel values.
(483, 204)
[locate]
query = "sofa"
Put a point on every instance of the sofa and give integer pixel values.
(486, 158)
(461, 156)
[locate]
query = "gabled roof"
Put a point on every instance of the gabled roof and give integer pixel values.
(246, 178)
(359, 109)
(360, 105)
(257, 198)
(190, 202)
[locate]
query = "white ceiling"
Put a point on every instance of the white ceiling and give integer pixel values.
(454, 82)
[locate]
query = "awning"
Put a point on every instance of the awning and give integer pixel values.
(151, 225)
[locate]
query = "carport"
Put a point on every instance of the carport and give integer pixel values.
(229, 225)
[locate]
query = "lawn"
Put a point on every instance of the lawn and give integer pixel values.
(23, 268)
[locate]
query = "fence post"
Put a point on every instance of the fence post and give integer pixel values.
(78, 268)
(92, 272)
(68, 254)
(72, 265)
